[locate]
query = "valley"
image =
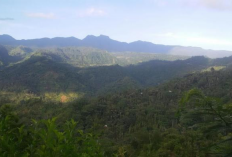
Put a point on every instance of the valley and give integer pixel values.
(132, 101)
(141, 78)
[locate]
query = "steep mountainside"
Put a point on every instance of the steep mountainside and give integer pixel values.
(148, 122)
(129, 118)
(4, 56)
(41, 74)
(81, 56)
(127, 58)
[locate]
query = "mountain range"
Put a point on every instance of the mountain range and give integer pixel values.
(105, 43)
(135, 103)
(43, 74)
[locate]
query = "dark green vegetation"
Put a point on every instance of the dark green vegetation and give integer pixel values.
(128, 58)
(160, 121)
(120, 111)
(43, 138)
(76, 56)
(79, 56)
(4, 56)
(51, 71)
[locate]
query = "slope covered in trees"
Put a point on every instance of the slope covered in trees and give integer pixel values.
(80, 56)
(4, 56)
(41, 74)
(128, 114)
(160, 121)
(76, 56)
(128, 58)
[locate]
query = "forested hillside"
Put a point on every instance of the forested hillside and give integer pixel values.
(81, 56)
(160, 121)
(143, 109)
(43, 74)
(158, 84)
(76, 56)
(128, 58)
(4, 56)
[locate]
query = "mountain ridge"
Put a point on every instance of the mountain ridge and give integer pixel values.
(40, 74)
(106, 43)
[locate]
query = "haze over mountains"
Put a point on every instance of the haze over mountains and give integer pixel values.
(131, 93)
(104, 78)
(90, 71)
(105, 43)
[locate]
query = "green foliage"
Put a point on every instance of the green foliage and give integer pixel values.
(144, 122)
(85, 56)
(13, 141)
(78, 56)
(214, 68)
(127, 58)
(135, 122)
(211, 117)
(54, 71)
(182, 143)
(43, 76)
(43, 138)
(4, 56)
(37, 75)
(20, 51)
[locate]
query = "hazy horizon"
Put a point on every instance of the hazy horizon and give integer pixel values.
(196, 23)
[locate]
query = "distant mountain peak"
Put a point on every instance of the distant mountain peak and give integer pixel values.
(104, 36)
(6, 37)
(106, 43)
(95, 37)
(90, 36)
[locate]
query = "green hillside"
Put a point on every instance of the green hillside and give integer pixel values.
(76, 56)
(20, 51)
(79, 56)
(152, 121)
(82, 56)
(40, 74)
(155, 108)
(4, 56)
(128, 58)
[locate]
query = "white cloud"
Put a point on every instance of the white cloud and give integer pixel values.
(92, 12)
(210, 4)
(41, 15)
(216, 4)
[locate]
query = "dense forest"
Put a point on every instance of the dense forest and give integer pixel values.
(89, 71)
(81, 56)
(79, 101)
(168, 120)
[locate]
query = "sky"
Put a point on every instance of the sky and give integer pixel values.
(201, 23)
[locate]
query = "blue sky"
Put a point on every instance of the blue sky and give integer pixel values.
(202, 23)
